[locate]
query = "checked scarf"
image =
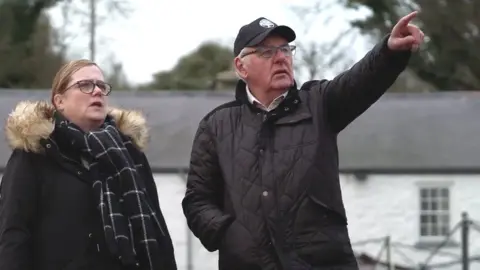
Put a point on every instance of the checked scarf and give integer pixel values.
(129, 222)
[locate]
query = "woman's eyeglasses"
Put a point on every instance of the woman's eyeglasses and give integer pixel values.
(87, 86)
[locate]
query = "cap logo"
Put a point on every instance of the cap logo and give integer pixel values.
(266, 23)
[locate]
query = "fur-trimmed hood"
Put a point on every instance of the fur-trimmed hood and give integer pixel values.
(32, 121)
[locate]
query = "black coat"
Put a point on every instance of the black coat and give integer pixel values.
(263, 188)
(48, 220)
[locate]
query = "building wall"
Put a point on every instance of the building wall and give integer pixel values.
(171, 189)
(384, 205)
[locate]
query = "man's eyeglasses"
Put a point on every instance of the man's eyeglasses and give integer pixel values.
(87, 86)
(270, 51)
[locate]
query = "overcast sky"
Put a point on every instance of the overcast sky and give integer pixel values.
(156, 33)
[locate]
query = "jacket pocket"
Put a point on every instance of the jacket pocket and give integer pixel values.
(93, 260)
(328, 196)
(313, 214)
(237, 245)
(235, 239)
(330, 245)
(319, 236)
(88, 258)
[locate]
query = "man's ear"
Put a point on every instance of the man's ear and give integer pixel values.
(240, 67)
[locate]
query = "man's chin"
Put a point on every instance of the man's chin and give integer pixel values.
(282, 84)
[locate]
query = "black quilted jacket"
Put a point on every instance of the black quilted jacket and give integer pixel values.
(260, 184)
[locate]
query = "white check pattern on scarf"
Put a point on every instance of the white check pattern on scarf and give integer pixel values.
(109, 152)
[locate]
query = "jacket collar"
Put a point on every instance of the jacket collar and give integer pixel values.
(31, 123)
(291, 100)
(290, 110)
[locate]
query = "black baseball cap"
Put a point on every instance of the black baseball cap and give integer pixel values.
(255, 32)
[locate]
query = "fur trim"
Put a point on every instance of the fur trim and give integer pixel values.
(31, 121)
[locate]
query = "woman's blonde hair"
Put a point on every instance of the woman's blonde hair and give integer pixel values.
(64, 76)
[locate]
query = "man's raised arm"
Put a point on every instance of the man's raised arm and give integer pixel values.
(351, 93)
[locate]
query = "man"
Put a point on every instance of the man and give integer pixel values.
(263, 186)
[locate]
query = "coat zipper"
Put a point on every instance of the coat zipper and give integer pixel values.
(265, 143)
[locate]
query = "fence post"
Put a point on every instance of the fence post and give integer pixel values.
(388, 243)
(465, 232)
(182, 174)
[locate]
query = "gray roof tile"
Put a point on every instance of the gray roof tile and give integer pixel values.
(400, 132)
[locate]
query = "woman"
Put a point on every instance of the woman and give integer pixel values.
(77, 191)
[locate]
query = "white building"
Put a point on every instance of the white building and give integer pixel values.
(410, 166)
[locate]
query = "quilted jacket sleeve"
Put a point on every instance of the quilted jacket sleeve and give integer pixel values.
(204, 194)
(18, 199)
(352, 92)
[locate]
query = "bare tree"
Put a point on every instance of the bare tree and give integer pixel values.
(93, 28)
(115, 74)
(89, 15)
(114, 7)
(63, 36)
(315, 57)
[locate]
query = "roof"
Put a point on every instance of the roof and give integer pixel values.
(401, 132)
(416, 131)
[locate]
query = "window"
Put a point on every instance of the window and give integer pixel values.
(434, 212)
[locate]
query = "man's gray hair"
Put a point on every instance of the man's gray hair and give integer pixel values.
(244, 50)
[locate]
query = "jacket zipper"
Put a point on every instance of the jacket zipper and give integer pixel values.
(266, 140)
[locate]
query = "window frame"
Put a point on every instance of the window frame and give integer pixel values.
(437, 185)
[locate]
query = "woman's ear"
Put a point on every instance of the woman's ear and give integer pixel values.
(58, 102)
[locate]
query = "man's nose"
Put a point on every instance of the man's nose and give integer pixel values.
(280, 56)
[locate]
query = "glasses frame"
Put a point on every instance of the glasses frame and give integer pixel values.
(93, 83)
(262, 50)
